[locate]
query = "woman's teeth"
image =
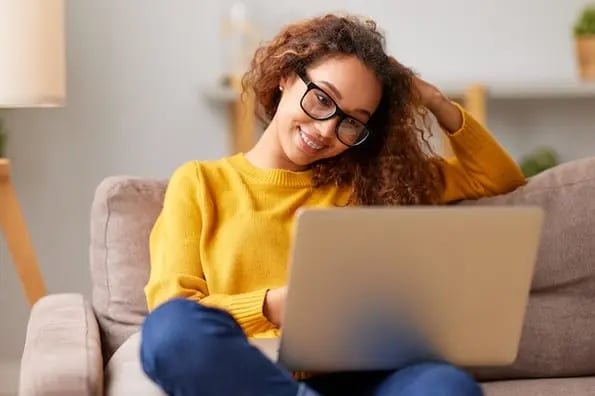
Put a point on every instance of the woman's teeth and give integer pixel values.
(309, 142)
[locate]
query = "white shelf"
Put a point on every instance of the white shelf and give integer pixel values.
(497, 90)
(559, 89)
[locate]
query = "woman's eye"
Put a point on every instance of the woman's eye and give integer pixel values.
(323, 99)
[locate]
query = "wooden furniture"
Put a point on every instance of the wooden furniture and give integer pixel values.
(240, 109)
(17, 238)
(474, 101)
(243, 119)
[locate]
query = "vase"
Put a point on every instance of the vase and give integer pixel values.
(585, 53)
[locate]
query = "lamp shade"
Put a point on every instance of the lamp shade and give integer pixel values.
(32, 53)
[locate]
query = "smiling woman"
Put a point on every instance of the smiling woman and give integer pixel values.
(340, 116)
(367, 84)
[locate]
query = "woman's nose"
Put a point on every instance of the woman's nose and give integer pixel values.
(328, 127)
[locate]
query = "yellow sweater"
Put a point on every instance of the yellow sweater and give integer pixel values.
(223, 236)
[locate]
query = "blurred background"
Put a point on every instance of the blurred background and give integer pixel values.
(146, 91)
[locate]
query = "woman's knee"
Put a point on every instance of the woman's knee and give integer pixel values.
(181, 328)
(431, 379)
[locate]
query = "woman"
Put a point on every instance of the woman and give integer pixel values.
(341, 130)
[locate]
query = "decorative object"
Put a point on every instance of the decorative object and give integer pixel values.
(584, 36)
(32, 74)
(540, 159)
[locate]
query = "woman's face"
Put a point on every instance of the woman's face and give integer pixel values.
(321, 119)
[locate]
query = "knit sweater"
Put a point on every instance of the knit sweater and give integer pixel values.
(223, 236)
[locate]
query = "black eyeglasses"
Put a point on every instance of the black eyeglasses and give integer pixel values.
(318, 105)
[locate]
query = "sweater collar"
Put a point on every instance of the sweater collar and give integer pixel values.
(280, 177)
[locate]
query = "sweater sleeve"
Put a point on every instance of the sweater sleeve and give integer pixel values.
(480, 166)
(176, 270)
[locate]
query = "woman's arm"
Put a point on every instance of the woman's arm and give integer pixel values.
(481, 166)
(176, 270)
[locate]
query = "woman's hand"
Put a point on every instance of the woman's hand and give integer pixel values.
(274, 305)
(447, 114)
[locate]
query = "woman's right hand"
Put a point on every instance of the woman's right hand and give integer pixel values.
(274, 304)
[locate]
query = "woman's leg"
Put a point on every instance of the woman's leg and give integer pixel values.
(189, 349)
(422, 379)
(430, 378)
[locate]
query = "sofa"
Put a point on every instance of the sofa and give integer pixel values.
(80, 346)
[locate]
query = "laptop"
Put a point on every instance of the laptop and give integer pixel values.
(377, 288)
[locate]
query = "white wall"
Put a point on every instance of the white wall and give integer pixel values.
(135, 72)
(466, 39)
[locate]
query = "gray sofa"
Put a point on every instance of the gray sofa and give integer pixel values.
(80, 347)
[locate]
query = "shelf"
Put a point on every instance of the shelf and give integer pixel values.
(497, 90)
(558, 89)
(475, 97)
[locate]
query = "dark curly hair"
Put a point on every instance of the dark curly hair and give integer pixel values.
(395, 165)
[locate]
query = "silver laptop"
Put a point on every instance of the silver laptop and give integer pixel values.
(378, 288)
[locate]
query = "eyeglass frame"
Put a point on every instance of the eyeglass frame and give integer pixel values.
(310, 85)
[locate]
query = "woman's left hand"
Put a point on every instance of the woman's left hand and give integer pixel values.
(274, 305)
(429, 94)
(447, 114)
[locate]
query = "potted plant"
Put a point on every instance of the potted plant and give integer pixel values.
(584, 35)
(541, 159)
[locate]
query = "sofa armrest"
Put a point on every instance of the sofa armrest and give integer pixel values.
(62, 354)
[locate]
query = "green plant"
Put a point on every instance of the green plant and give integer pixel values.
(585, 23)
(539, 160)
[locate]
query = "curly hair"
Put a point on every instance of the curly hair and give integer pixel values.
(395, 165)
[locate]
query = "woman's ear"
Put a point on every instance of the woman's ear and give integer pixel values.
(283, 84)
(286, 81)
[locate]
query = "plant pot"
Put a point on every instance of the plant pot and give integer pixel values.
(2, 144)
(585, 53)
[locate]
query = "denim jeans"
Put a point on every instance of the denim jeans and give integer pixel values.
(189, 349)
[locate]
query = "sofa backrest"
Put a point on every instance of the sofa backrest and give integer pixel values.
(559, 334)
(122, 215)
(558, 337)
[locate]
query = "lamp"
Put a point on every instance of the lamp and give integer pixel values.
(32, 74)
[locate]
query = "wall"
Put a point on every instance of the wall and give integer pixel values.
(135, 74)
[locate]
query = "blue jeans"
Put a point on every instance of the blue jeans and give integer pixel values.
(189, 349)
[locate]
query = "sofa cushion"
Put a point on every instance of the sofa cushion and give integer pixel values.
(559, 333)
(122, 216)
(542, 387)
(124, 375)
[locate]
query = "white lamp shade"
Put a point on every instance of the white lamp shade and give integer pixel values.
(32, 53)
